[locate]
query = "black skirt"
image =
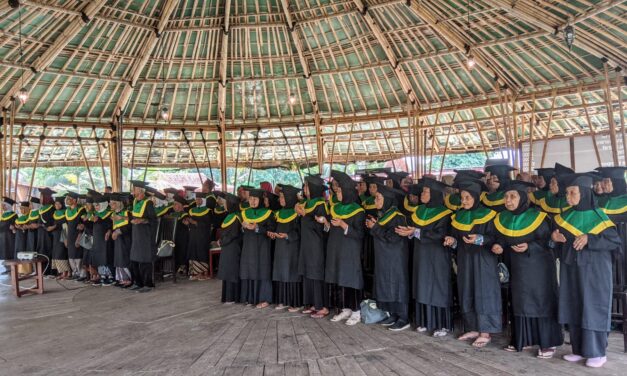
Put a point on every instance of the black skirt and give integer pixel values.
(230, 292)
(433, 318)
(536, 331)
(288, 293)
(256, 291)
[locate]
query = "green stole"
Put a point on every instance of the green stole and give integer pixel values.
(285, 215)
(523, 224)
(425, 216)
(345, 211)
(256, 215)
(465, 220)
(615, 205)
(578, 223)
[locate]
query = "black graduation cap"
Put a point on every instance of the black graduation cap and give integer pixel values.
(612, 172)
(246, 187)
(500, 170)
(155, 192)
(465, 174)
(416, 189)
(255, 192)
(171, 190)
(201, 194)
(139, 183)
(35, 200)
(397, 176)
(46, 191)
(584, 180)
(343, 180)
(596, 176)
(8, 200)
(434, 185)
(388, 192)
(374, 179)
(73, 195)
(560, 169)
(92, 193)
(98, 198)
(472, 186)
(547, 173)
(189, 188)
(89, 199)
(518, 185)
(116, 197)
(289, 190)
(315, 180)
(25, 204)
(60, 199)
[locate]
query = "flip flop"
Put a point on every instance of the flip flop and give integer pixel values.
(320, 314)
(468, 336)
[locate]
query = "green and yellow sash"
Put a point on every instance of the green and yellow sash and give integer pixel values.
(45, 209)
(103, 214)
(33, 215)
(465, 220)
(311, 205)
(285, 215)
(58, 215)
(425, 216)
(615, 205)
(230, 219)
(122, 222)
(578, 223)
(536, 196)
(409, 206)
(139, 207)
(22, 220)
(162, 210)
(199, 211)
(388, 216)
(519, 225)
(553, 204)
(453, 201)
(257, 215)
(7, 216)
(368, 203)
(345, 211)
(494, 199)
(72, 214)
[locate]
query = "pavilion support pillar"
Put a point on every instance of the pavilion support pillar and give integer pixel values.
(9, 161)
(548, 129)
(593, 132)
(621, 114)
(610, 115)
(223, 170)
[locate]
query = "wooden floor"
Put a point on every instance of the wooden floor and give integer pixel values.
(183, 329)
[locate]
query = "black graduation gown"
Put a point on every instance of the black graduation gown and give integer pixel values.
(478, 284)
(88, 228)
(181, 239)
(256, 258)
(32, 234)
(285, 267)
(20, 237)
(432, 275)
(494, 201)
(59, 251)
(101, 246)
(343, 263)
(74, 252)
(44, 238)
(7, 237)
(391, 255)
(311, 260)
(122, 244)
(143, 244)
(231, 245)
(199, 235)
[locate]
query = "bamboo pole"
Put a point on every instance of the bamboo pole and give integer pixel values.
(152, 141)
(19, 161)
(592, 128)
(193, 156)
(42, 139)
(239, 141)
(223, 170)
(10, 159)
(133, 154)
(517, 160)
(91, 178)
(332, 149)
(610, 115)
(433, 141)
(446, 145)
(101, 162)
(548, 130)
(387, 142)
(204, 143)
(252, 160)
(287, 144)
(532, 126)
(302, 142)
(3, 133)
(348, 146)
(619, 88)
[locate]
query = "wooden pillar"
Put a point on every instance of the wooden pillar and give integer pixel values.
(591, 126)
(610, 115)
(3, 134)
(548, 128)
(223, 170)
(42, 139)
(619, 88)
(10, 158)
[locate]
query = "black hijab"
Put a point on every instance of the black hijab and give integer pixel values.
(474, 188)
(436, 191)
(389, 197)
(290, 194)
(347, 185)
(520, 187)
(584, 183)
(316, 186)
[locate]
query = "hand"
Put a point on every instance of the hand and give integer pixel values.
(114, 235)
(497, 249)
(470, 238)
(280, 235)
(404, 230)
(449, 241)
(370, 222)
(107, 235)
(80, 227)
(580, 242)
(50, 228)
(323, 220)
(339, 223)
(300, 210)
(558, 237)
(271, 235)
(249, 226)
(520, 248)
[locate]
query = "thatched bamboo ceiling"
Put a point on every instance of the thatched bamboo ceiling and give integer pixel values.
(363, 74)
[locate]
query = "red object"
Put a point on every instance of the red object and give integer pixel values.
(266, 186)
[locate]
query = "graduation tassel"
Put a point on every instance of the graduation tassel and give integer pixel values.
(300, 174)
(239, 141)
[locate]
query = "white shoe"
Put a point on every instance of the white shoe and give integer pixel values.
(440, 333)
(354, 319)
(346, 313)
(280, 307)
(421, 329)
(597, 362)
(572, 358)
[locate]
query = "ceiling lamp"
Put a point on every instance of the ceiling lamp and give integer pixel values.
(165, 113)
(22, 96)
(470, 63)
(569, 36)
(292, 99)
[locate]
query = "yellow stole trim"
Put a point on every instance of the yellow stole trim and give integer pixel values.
(522, 232)
(230, 222)
(285, 220)
(321, 202)
(141, 211)
(575, 231)
(73, 217)
(426, 222)
(200, 214)
(345, 216)
(408, 207)
(389, 218)
(478, 221)
(256, 220)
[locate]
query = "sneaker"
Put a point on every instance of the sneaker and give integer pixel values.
(398, 326)
(144, 289)
(572, 358)
(354, 319)
(346, 313)
(597, 362)
(440, 332)
(107, 282)
(421, 329)
(134, 287)
(389, 321)
(546, 353)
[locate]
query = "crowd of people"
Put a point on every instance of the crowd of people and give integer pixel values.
(426, 251)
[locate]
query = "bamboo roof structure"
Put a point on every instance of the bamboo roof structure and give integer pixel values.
(278, 81)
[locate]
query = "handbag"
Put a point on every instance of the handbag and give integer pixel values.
(63, 236)
(86, 241)
(370, 313)
(166, 248)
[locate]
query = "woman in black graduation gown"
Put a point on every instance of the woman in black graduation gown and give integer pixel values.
(181, 233)
(21, 227)
(143, 239)
(73, 213)
(432, 263)
(343, 272)
(59, 251)
(102, 227)
(524, 232)
(587, 238)
(45, 222)
(312, 246)
(554, 201)
(288, 288)
(391, 254)
(477, 279)
(256, 257)
(7, 236)
(33, 225)
(497, 177)
(199, 222)
(231, 244)
(614, 201)
(87, 227)
(121, 236)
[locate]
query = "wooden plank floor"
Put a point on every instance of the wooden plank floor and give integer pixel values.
(184, 330)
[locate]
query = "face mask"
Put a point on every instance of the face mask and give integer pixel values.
(189, 195)
(6, 207)
(102, 206)
(34, 206)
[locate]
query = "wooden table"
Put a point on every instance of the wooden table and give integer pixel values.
(38, 276)
(212, 252)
